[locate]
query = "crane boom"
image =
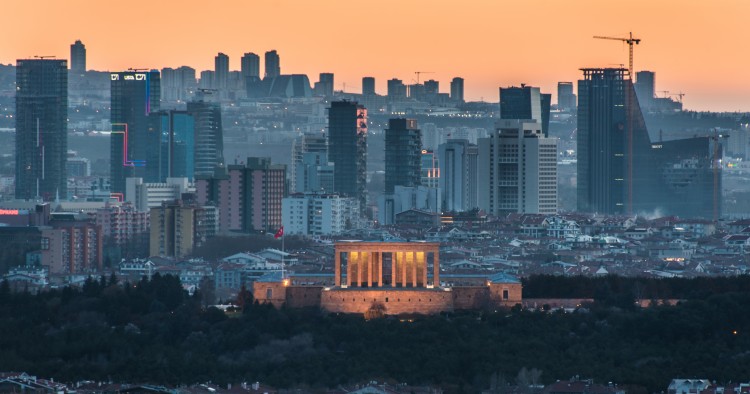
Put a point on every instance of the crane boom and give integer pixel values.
(628, 40)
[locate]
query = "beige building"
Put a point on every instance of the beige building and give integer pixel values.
(176, 228)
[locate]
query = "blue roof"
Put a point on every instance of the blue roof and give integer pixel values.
(502, 277)
(272, 277)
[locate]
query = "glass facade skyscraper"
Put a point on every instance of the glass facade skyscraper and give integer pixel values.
(347, 149)
(41, 128)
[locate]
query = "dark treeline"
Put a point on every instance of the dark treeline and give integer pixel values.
(552, 286)
(153, 332)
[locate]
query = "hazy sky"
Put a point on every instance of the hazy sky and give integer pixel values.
(699, 47)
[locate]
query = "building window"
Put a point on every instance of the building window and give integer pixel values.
(269, 293)
(506, 294)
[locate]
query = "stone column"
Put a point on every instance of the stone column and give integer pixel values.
(380, 268)
(337, 268)
(370, 256)
(348, 269)
(413, 268)
(402, 256)
(436, 268)
(394, 256)
(423, 266)
(359, 268)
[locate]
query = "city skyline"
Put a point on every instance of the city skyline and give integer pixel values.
(477, 42)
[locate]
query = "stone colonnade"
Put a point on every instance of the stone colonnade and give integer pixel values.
(365, 263)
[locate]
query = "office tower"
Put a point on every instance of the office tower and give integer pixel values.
(525, 103)
(457, 90)
(273, 64)
(207, 80)
(209, 135)
(368, 86)
(517, 170)
(416, 91)
(134, 95)
(430, 169)
(644, 88)
(431, 87)
(324, 87)
(78, 57)
(457, 161)
(250, 66)
(347, 149)
(403, 150)
(221, 71)
(620, 171)
(248, 196)
(566, 100)
(172, 146)
(145, 196)
(396, 89)
(41, 128)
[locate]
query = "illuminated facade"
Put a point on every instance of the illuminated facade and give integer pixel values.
(392, 277)
(41, 128)
(134, 95)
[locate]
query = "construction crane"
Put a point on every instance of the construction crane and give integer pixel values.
(680, 95)
(629, 93)
(716, 165)
(630, 41)
(422, 72)
(137, 69)
(44, 56)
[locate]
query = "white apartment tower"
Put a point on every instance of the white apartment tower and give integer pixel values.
(517, 169)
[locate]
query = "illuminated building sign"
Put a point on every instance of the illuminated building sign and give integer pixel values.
(128, 77)
(13, 212)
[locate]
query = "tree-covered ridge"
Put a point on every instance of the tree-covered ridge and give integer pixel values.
(152, 331)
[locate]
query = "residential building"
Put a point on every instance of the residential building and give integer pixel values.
(78, 57)
(71, 244)
(41, 128)
(248, 196)
(405, 198)
(517, 170)
(177, 227)
(319, 214)
(566, 99)
(147, 195)
(457, 90)
(458, 175)
(273, 64)
(221, 71)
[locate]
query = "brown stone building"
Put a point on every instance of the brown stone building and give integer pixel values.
(395, 277)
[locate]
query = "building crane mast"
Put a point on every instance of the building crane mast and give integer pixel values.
(716, 166)
(629, 92)
(630, 41)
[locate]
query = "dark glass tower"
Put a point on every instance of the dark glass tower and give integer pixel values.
(209, 136)
(347, 148)
(172, 147)
(134, 96)
(273, 64)
(525, 102)
(41, 128)
(621, 171)
(403, 151)
(78, 57)
(457, 90)
(368, 86)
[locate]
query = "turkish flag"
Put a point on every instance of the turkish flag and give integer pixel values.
(279, 233)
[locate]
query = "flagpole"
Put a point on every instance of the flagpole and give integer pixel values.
(282, 257)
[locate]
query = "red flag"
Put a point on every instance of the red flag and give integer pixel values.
(279, 233)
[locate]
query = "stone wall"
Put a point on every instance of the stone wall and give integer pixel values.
(269, 293)
(396, 302)
(514, 293)
(470, 297)
(303, 296)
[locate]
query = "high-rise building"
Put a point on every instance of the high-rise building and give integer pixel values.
(207, 80)
(221, 70)
(430, 176)
(248, 196)
(250, 66)
(145, 196)
(431, 87)
(525, 103)
(347, 149)
(319, 214)
(172, 147)
(403, 151)
(644, 88)
(457, 159)
(368, 86)
(41, 128)
(324, 86)
(273, 64)
(177, 227)
(209, 135)
(178, 84)
(457, 90)
(78, 57)
(566, 100)
(396, 89)
(134, 95)
(517, 170)
(620, 171)
(311, 169)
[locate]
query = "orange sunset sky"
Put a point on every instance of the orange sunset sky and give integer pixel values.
(697, 47)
